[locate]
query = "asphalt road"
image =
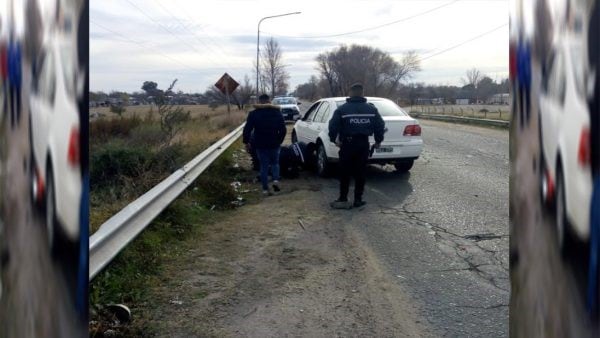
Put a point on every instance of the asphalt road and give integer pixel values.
(442, 229)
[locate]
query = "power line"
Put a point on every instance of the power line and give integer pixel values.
(371, 28)
(127, 39)
(218, 45)
(187, 29)
(463, 43)
(168, 30)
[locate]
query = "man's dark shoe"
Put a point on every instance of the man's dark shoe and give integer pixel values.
(276, 187)
(340, 204)
(359, 203)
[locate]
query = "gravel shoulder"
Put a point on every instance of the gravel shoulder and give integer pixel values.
(271, 269)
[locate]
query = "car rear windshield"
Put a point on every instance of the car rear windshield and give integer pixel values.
(385, 107)
(284, 100)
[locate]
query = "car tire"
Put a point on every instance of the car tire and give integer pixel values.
(543, 179)
(562, 222)
(32, 174)
(51, 220)
(294, 136)
(403, 167)
(323, 164)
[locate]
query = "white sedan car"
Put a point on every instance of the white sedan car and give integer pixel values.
(402, 144)
(289, 107)
(566, 179)
(54, 136)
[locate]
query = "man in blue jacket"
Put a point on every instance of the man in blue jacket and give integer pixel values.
(266, 127)
(353, 122)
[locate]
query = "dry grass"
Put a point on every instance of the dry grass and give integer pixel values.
(196, 111)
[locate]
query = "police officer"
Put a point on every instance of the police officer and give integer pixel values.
(349, 128)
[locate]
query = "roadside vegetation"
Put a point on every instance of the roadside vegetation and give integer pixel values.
(132, 151)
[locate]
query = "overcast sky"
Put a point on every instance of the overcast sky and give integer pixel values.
(132, 41)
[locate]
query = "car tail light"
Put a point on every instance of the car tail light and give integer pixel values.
(73, 150)
(412, 130)
(584, 153)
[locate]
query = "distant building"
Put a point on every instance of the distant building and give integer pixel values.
(502, 98)
(462, 101)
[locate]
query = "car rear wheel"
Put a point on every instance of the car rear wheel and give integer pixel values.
(404, 166)
(323, 165)
(543, 175)
(50, 210)
(562, 224)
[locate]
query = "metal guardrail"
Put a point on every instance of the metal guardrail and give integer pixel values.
(117, 232)
(460, 119)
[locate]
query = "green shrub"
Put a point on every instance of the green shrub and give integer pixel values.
(113, 160)
(168, 159)
(146, 135)
(117, 109)
(215, 192)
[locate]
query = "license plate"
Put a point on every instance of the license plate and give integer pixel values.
(384, 150)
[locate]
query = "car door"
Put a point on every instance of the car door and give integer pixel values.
(553, 111)
(303, 126)
(316, 125)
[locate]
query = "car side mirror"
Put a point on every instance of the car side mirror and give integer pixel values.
(299, 103)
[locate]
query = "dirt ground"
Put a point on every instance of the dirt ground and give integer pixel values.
(266, 271)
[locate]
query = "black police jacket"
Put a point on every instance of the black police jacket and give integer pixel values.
(356, 117)
(265, 127)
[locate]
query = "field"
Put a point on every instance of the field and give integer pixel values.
(494, 112)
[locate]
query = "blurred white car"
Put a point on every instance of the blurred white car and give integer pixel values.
(566, 179)
(289, 107)
(54, 136)
(401, 146)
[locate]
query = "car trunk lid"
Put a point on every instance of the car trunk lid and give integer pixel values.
(395, 127)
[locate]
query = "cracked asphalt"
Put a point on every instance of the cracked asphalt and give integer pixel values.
(442, 229)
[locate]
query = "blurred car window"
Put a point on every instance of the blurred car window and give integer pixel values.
(67, 61)
(48, 79)
(557, 87)
(578, 72)
(311, 111)
(326, 113)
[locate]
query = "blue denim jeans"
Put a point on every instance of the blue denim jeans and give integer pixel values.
(268, 158)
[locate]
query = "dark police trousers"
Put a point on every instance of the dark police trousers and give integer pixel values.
(354, 154)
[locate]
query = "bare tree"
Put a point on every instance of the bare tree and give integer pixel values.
(405, 69)
(308, 90)
(325, 67)
(375, 69)
(473, 77)
(243, 94)
(273, 70)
